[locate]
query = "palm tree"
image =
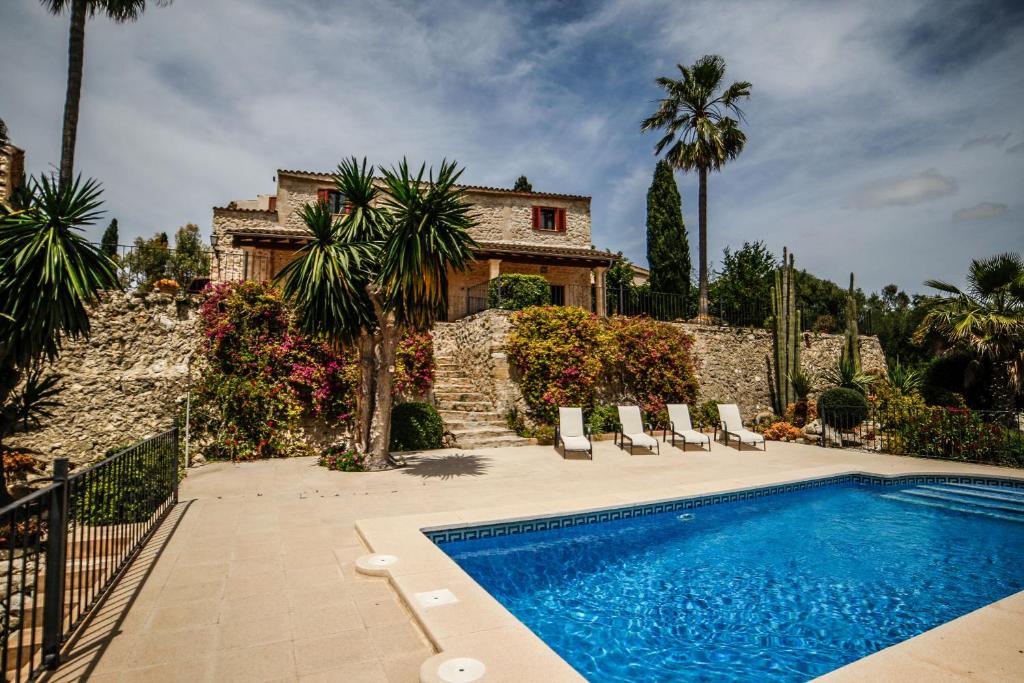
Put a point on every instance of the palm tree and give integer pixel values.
(378, 270)
(120, 11)
(986, 320)
(49, 273)
(699, 134)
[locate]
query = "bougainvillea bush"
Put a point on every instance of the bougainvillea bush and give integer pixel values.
(261, 377)
(566, 356)
(560, 354)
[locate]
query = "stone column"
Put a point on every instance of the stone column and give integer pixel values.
(602, 307)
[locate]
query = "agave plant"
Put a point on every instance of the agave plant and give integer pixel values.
(845, 375)
(905, 381)
(802, 384)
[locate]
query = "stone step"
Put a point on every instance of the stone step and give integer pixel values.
(476, 431)
(493, 442)
(470, 415)
(468, 406)
(459, 395)
(455, 425)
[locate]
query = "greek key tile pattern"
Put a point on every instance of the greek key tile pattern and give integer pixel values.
(692, 503)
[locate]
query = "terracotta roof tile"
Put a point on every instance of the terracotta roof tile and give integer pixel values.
(481, 188)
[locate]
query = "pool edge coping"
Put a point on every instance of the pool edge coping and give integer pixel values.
(488, 627)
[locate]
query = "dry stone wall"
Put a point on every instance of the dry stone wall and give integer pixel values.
(122, 384)
(731, 362)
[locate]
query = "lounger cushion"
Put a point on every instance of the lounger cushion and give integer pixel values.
(693, 436)
(643, 440)
(746, 436)
(570, 422)
(576, 443)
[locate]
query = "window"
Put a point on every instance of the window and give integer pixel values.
(548, 218)
(335, 200)
(557, 295)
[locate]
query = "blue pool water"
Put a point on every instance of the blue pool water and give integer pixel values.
(779, 588)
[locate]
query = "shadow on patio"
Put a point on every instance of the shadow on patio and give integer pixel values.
(447, 466)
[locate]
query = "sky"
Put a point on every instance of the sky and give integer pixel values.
(884, 138)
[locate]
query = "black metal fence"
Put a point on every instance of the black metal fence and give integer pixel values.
(978, 436)
(64, 546)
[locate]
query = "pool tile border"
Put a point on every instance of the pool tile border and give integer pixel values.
(449, 534)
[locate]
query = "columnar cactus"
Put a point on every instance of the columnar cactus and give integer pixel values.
(786, 321)
(851, 336)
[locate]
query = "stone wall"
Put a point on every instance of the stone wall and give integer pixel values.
(123, 384)
(731, 362)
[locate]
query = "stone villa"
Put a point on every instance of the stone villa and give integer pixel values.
(539, 233)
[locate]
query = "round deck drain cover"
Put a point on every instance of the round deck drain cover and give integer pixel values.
(381, 560)
(461, 670)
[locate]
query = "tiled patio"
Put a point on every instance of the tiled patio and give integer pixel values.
(252, 577)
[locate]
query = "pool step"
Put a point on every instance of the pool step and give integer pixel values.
(914, 496)
(964, 500)
(975, 494)
(1003, 492)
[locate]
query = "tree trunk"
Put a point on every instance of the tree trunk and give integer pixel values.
(1002, 391)
(378, 453)
(76, 59)
(364, 395)
(702, 246)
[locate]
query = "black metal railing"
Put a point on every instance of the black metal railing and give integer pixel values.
(64, 546)
(978, 436)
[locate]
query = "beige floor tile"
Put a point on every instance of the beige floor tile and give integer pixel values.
(186, 669)
(184, 615)
(406, 668)
(330, 652)
(163, 648)
(398, 639)
(242, 634)
(381, 612)
(309, 624)
(315, 598)
(270, 662)
(258, 606)
(353, 672)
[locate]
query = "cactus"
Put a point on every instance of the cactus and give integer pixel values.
(786, 322)
(851, 336)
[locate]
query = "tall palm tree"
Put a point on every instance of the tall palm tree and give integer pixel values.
(378, 270)
(120, 11)
(986, 320)
(49, 273)
(699, 134)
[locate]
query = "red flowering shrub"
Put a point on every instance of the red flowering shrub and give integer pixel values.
(567, 357)
(262, 376)
(653, 362)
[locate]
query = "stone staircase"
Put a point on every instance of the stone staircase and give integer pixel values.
(467, 413)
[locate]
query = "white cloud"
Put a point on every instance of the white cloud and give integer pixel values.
(980, 212)
(904, 191)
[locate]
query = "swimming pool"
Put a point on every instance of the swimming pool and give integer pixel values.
(781, 587)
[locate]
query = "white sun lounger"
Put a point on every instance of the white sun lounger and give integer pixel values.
(732, 427)
(572, 434)
(632, 428)
(679, 425)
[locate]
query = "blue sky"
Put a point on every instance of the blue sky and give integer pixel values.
(883, 138)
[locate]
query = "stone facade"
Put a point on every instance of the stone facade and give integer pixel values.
(12, 168)
(255, 238)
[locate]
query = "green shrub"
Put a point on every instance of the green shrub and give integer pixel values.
(558, 352)
(516, 292)
(603, 420)
(343, 459)
(842, 408)
(705, 415)
(416, 427)
(129, 489)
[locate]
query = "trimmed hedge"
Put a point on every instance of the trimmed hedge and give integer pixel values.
(416, 427)
(842, 408)
(516, 292)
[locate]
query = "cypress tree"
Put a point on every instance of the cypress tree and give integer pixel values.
(109, 242)
(668, 249)
(523, 185)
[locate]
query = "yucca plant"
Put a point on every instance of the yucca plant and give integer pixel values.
(380, 269)
(905, 381)
(49, 274)
(844, 375)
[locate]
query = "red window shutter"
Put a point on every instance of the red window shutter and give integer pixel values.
(273, 204)
(321, 195)
(560, 220)
(536, 218)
